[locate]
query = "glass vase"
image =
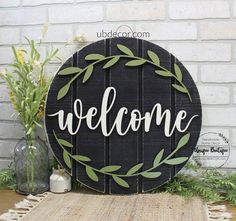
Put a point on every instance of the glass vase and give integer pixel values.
(32, 166)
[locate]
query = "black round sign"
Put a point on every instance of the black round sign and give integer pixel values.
(123, 115)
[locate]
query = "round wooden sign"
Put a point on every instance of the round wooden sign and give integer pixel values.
(123, 116)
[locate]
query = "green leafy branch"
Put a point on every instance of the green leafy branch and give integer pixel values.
(133, 171)
(211, 185)
(112, 60)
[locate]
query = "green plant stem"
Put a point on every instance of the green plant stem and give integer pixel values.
(27, 169)
(120, 175)
(32, 169)
(131, 57)
(30, 161)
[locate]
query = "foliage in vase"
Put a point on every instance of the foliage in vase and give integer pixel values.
(28, 85)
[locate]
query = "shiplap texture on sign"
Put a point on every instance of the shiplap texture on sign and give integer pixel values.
(137, 88)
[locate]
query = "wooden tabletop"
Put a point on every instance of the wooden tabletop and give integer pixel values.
(8, 198)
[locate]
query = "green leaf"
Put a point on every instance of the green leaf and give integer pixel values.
(134, 169)
(81, 158)
(91, 174)
(158, 158)
(184, 140)
(176, 161)
(151, 174)
(29, 131)
(111, 62)
(38, 124)
(110, 168)
(67, 159)
(178, 72)
(136, 62)
(153, 56)
(70, 70)
(92, 57)
(64, 143)
(125, 50)
(88, 73)
(179, 88)
(63, 91)
(120, 181)
(164, 73)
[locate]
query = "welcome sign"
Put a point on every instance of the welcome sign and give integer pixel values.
(123, 116)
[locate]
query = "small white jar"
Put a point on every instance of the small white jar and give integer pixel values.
(60, 181)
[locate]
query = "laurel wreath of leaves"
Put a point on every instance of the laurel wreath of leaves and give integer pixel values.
(112, 60)
(111, 169)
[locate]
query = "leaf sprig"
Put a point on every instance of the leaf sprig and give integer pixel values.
(28, 84)
(112, 60)
(112, 170)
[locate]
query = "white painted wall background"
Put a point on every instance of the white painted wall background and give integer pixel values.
(201, 33)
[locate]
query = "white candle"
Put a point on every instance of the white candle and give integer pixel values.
(60, 181)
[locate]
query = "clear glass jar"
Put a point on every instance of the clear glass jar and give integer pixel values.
(32, 166)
